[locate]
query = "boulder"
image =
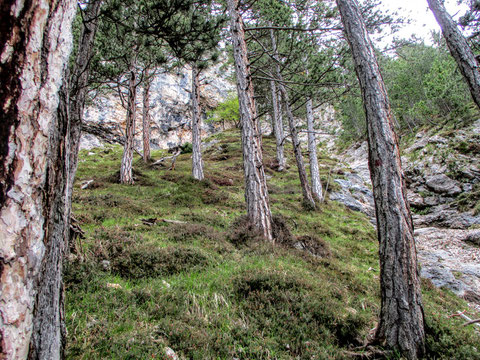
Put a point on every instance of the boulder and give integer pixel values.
(442, 184)
(442, 277)
(473, 237)
(415, 200)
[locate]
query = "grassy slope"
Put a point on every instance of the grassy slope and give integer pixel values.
(199, 289)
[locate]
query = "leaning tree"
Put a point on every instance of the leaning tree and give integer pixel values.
(401, 326)
(459, 48)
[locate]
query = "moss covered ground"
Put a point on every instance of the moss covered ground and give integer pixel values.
(207, 287)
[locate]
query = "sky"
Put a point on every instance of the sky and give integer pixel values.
(422, 19)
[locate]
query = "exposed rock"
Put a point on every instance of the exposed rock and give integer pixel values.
(446, 216)
(432, 200)
(170, 354)
(442, 277)
(441, 183)
(447, 260)
(106, 265)
(170, 108)
(473, 237)
(416, 200)
(346, 200)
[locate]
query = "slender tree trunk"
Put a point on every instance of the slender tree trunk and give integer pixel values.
(78, 88)
(146, 117)
(401, 323)
(35, 44)
(126, 174)
(302, 174)
(197, 162)
(312, 154)
(458, 46)
(277, 124)
(297, 150)
(256, 194)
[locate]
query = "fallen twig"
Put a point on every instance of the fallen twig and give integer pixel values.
(173, 157)
(475, 321)
(153, 221)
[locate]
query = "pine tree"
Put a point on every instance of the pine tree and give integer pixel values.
(401, 325)
(256, 193)
(459, 48)
(35, 43)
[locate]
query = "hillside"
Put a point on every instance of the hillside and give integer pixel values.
(168, 266)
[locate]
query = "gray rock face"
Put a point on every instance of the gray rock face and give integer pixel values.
(442, 184)
(447, 260)
(446, 248)
(170, 108)
(354, 194)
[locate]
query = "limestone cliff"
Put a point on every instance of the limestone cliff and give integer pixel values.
(170, 107)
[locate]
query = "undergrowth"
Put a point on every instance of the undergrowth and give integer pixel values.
(208, 287)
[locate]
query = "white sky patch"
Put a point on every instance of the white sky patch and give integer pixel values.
(422, 19)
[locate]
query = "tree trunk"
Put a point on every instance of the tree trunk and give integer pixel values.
(126, 174)
(146, 117)
(297, 150)
(197, 162)
(312, 154)
(35, 44)
(256, 194)
(48, 335)
(401, 325)
(302, 174)
(79, 83)
(277, 124)
(458, 46)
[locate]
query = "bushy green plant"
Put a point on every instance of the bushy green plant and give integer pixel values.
(227, 112)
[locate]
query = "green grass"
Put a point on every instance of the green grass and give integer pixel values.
(133, 289)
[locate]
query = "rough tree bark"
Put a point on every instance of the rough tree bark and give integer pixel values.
(48, 335)
(146, 117)
(302, 174)
(35, 43)
(277, 125)
(126, 174)
(458, 46)
(312, 154)
(197, 162)
(256, 194)
(401, 323)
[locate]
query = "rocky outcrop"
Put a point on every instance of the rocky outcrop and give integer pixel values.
(170, 108)
(443, 181)
(442, 184)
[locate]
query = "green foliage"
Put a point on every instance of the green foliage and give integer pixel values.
(424, 86)
(186, 148)
(226, 112)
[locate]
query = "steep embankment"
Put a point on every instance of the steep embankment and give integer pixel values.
(169, 266)
(442, 170)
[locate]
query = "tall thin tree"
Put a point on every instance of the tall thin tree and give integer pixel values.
(401, 324)
(277, 123)
(197, 162)
(312, 153)
(302, 174)
(146, 117)
(256, 193)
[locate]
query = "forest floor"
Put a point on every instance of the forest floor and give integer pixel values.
(168, 265)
